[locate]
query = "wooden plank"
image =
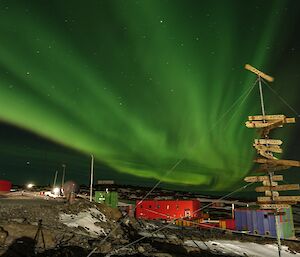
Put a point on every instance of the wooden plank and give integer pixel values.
(271, 193)
(274, 206)
(272, 168)
(278, 162)
(267, 183)
(278, 199)
(263, 178)
(268, 141)
(261, 124)
(271, 148)
(264, 199)
(290, 120)
(278, 188)
(266, 117)
(276, 124)
(259, 73)
(287, 198)
(267, 155)
(270, 118)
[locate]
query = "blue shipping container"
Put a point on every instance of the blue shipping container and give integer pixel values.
(260, 222)
(238, 220)
(272, 225)
(254, 222)
(244, 220)
(263, 222)
(249, 221)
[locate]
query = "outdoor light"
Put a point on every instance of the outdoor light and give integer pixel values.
(30, 185)
(56, 190)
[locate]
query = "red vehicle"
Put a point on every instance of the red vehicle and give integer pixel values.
(167, 209)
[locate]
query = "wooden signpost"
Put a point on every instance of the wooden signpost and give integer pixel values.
(278, 188)
(266, 147)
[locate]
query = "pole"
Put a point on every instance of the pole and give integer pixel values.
(278, 233)
(261, 97)
(55, 177)
(63, 175)
(276, 215)
(92, 177)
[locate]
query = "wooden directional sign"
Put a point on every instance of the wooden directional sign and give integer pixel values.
(271, 193)
(278, 187)
(267, 183)
(266, 117)
(266, 199)
(287, 198)
(269, 148)
(259, 73)
(270, 168)
(278, 162)
(272, 118)
(274, 206)
(251, 179)
(266, 154)
(268, 122)
(262, 141)
(261, 124)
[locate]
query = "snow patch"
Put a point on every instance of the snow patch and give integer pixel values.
(237, 248)
(86, 220)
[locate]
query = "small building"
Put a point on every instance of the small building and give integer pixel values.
(108, 198)
(5, 186)
(167, 209)
(263, 222)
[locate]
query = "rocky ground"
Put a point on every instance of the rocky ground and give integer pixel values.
(36, 227)
(54, 224)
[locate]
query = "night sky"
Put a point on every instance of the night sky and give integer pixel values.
(143, 85)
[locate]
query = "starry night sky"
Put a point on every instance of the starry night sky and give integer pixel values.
(143, 85)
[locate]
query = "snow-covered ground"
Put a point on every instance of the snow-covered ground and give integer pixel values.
(236, 248)
(86, 220)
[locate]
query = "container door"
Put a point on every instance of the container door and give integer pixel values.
(238, 219)
(266, 224)
(244, 220)
(99, 197)
(272, 225)
(249, 221)
(260, 222)
(254, 222)
(187, 213)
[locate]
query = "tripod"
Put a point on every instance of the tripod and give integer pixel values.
(39, 233)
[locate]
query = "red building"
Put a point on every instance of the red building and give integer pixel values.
(167, 209)
(5, 186)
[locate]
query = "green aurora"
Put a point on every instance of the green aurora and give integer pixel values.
(143, 85)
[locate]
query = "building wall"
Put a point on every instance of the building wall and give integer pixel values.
(167, 209)
(5, 186)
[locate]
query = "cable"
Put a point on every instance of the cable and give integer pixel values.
(163, 227)
(247, 92)
(118, 225)
(243, 100)
(282, 99)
